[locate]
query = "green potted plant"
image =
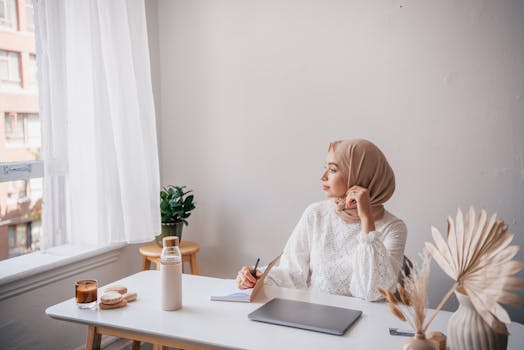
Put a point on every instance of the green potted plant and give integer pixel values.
(175, 207)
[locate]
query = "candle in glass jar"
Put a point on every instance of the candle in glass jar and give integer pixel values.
(86, 293)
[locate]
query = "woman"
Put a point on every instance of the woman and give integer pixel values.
(348, 244)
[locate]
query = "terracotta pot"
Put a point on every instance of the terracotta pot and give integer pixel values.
(170, 229)
(468, 331)
(419, 342)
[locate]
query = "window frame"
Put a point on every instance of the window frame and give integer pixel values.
(32, 68)
(10, 79)
(11, 23)
(15, 134)
(18, 191)
(21, 170)
(29, 5)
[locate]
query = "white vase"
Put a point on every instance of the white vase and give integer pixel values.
(468, 331)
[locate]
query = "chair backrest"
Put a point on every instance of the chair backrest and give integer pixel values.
(407, 265)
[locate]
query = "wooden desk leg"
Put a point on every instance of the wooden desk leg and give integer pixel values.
(136, 345)
(159, 347)
(194, 265)
(93, 339)
(146, 264)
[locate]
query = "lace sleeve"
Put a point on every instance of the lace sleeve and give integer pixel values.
(377, 260)
(292, 270)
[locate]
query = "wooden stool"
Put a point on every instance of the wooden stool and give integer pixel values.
(151, 253)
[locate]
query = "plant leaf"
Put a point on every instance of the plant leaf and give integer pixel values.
(173, 206)
(452, 243)
(188, 200)
(491, 320)
(499, 258)
(444, 250)
(511, 299)
(513, 283)
(484, 235)
(441, 261)
(459, 236)
(478, 254)
(471, 225)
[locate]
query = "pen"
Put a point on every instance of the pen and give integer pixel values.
(254, 272)
(402, 332)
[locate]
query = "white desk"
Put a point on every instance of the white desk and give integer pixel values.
(202, 323)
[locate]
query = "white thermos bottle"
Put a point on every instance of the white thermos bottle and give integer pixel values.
(171, 274)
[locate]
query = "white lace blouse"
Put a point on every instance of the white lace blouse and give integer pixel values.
(330, 255)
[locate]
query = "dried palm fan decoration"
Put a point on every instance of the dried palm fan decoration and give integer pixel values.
(478, 257)
(412, 304)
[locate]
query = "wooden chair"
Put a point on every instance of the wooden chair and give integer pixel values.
(405, 270)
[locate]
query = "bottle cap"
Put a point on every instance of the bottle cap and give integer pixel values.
(170, 241)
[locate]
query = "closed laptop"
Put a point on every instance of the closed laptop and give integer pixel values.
(299, 314)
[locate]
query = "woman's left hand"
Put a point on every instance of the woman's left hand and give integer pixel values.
(360, 196)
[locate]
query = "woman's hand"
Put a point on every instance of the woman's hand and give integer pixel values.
(360, 196)
(245, 279)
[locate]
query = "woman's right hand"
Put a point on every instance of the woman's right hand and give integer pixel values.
(245, 279)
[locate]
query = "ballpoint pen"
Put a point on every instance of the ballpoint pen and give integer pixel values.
(402, 332)
(254, 272)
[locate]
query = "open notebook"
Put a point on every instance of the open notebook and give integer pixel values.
(228, 291)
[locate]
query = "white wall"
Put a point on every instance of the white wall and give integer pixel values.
(253, 91)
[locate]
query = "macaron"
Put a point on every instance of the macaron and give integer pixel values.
(116, 288)
(131, 296)
(121, 303)
(110, 298)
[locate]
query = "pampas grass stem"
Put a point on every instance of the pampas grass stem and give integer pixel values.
(403, 295)
(381, 291)
(391, 297)
(397, 312)
(442, 302)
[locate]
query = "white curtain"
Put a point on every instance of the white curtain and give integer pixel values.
(101, 178)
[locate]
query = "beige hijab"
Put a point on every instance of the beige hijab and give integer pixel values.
(363, 164)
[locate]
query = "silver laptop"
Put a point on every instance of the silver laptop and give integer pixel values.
(314, 317)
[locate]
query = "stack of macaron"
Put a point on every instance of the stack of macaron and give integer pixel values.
(116, 296)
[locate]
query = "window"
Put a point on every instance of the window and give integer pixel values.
(24, 190)
(16, 191)
(8, 14)
(35, 189)
(20, 207)
(21, 169)
(29, 14)
(22, 129)
(23, 238)
(9, 69)
(32, 70)
(14, 129)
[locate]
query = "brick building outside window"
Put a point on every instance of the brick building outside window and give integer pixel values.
(20, 132)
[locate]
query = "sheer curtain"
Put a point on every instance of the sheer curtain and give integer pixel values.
(101, 178)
